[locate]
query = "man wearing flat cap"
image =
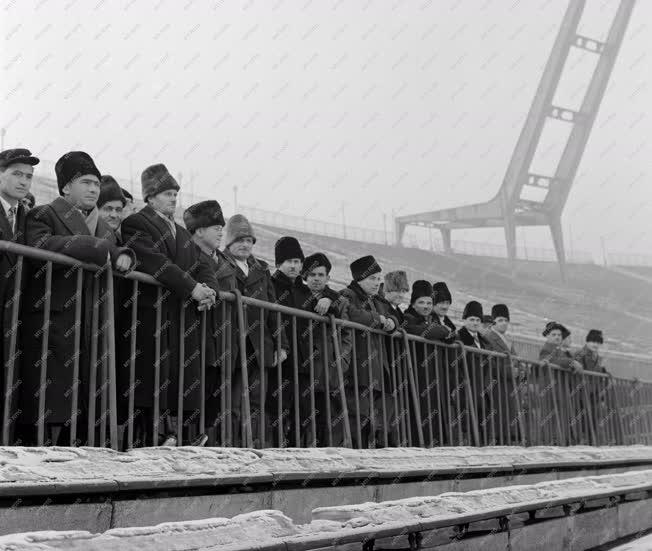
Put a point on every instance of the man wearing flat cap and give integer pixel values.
(367, 308)
(165, 250)
(16, 171)
(69, 225)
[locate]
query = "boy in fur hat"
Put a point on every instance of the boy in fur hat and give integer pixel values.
(166, 251)
(366, 307)
(253, 279)
(396, 291)
(419, 318)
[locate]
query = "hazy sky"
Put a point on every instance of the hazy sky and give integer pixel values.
(386, 106)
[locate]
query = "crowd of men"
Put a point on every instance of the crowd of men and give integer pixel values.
(94, 221)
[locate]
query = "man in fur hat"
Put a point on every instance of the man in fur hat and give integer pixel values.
(166, 251)
(70, 225)
(253, 279)
(470, 334)
(367, 308)
(496, 335)
(111, 203)
(589, 355)
(396, 291)
(316, 273)
(442, 300)
(205, 222)
(291, 291)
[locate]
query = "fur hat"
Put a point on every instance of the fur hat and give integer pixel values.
(473, 308)
(552, 325)
(203, 215)
(315, 261)
(363, 267)
(396, 281)
(238, 227)
(420, 288)
(73, 165)
(287, 248)
(500, 311)
(595, 335)
(441, 292)
(156, 179)
(110, 191)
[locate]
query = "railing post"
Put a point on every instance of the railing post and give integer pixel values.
(245, 412)
(413, 387)
(470, 397)
(340, 380)
(110, 314)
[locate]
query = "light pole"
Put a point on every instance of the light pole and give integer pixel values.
(2, 138)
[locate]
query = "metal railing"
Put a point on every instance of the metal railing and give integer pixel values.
(343, 384)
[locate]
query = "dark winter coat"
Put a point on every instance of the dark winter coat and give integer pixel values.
(7, 278)
(258, 284)
(448, 323)
(176, 263)
(467, 339)
(555, 354)
(590, 360)
(497, 344)
(60, 228)
(366, 310)
(427, 327)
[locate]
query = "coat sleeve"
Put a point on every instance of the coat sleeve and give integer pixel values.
(435, 332)
(154, 263)
(271, 325)
(206, 272)
(39, 233)
(358, 314)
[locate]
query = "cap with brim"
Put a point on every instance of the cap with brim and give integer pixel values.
(15, 156)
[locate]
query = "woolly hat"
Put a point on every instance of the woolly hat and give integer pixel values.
(238, 227)
(552, 325)
(595, 335)
(441, 292)
(73, 165)
(287, 248)
(203, 215)
(128, 196)
(156, 179)
(396, 281)
(110, 191)
(473, 308)
(500, 311)
(420, 288)
(363, 267)
(314, 261)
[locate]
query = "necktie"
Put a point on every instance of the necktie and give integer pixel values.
(11, 217)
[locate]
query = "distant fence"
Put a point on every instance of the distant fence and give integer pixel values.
(624, 259)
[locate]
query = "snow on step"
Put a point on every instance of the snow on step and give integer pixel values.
(247, 531)
(61, 464)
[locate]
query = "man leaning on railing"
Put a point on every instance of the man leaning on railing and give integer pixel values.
(69, 225)
(165, 250)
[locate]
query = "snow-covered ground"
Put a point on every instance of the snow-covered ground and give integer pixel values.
(252, 530)
(34, 466)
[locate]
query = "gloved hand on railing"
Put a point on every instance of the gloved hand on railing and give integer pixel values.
(387, 323)
(576, 366)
